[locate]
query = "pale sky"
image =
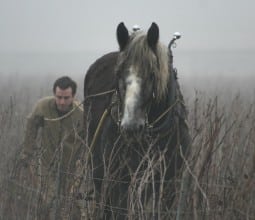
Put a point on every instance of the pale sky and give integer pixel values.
(82, 25)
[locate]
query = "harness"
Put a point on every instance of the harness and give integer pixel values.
(175, 101)
(77, 106)
(113, 110)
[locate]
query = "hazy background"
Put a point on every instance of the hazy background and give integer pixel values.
(41, 40)
(57, 37)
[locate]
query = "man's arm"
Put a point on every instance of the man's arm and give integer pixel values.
(32, 127)
(34, 121)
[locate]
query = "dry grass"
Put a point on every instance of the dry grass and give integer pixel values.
(222, 158)
(220, 171)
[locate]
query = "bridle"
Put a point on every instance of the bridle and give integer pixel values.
(114, 109)
(116, 113)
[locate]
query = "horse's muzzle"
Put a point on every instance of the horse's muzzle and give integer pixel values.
(134, 128)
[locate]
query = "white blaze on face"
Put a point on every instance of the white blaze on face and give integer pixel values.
(133, 88)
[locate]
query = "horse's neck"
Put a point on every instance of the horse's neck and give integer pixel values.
(159, 108)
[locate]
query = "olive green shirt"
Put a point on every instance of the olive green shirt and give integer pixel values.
(59, 140)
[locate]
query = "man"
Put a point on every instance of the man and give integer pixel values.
(53, 149)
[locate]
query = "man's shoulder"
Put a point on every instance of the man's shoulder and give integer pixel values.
(45, 101)
(43, 107)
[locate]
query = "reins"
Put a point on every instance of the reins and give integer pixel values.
(65, 115)
(99, 126)
(165, 112)
(77, 106)
(107, 110)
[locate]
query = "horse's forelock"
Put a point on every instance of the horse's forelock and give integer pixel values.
(138, 53)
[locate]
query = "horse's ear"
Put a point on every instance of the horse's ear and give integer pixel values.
(153, 35)
(122, 35)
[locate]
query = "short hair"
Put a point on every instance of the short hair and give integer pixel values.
(64, 83)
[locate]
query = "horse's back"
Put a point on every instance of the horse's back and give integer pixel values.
(99, 78)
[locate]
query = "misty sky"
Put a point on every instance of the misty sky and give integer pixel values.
(82, 25)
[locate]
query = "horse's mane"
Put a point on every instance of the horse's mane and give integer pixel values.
(147, 60)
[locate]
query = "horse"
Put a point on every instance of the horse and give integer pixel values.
(136, 127)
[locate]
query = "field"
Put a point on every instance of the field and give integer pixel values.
(221, 166)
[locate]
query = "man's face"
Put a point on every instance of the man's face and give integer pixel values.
(64, 99)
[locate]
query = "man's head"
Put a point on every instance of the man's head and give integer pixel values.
(64, 90)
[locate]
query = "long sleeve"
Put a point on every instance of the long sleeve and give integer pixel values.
(34, 122)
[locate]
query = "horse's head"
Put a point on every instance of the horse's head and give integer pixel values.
(142, 74)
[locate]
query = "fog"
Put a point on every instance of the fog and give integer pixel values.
(63, 25)
(46, 39)
(63, 37)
